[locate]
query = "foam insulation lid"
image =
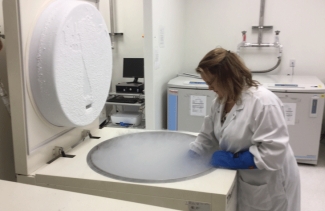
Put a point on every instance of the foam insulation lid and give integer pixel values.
(70, 63)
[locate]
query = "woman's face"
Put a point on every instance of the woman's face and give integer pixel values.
(211, 82)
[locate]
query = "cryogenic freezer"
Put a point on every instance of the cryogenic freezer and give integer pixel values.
(59, 69)
(189, 100)
(303, 99)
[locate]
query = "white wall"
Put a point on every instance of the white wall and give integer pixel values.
(7, 171)
(164, 54)
(199, 26)
(211, 23)
(128, 19)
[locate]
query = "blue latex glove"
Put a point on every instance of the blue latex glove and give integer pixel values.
(239, 160)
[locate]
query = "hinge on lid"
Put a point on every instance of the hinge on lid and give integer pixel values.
(84, 135)
(59, 152)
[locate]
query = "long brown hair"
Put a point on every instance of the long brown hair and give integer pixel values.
(231, 75)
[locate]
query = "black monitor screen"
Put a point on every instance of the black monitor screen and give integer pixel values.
(133, 68)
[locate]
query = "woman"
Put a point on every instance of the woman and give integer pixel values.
(247, 124)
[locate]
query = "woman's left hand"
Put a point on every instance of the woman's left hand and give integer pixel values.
(239, 160)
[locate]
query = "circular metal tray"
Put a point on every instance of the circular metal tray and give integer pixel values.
(148, 157)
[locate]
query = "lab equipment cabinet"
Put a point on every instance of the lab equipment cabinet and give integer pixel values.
(303, 101)
(189, 101)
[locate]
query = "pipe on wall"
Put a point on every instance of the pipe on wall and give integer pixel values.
(111, 8)
(275, 44)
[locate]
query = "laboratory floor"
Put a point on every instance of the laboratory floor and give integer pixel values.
(313, 183)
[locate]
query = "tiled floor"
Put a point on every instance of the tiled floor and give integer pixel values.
(313, 184)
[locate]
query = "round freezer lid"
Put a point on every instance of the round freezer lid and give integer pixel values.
(70, 63)
(148, 157)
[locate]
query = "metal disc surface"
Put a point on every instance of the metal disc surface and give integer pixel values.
(148, 157)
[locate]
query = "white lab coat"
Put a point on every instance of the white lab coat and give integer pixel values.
(256, 124)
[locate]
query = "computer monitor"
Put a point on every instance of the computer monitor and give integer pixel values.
(133, 68)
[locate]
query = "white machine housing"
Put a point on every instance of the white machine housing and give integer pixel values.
(303, 98)
(215, 191)
(189, 100)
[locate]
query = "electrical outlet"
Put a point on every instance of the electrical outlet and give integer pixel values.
(292, 63)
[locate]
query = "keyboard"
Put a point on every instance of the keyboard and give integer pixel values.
(123, 100)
